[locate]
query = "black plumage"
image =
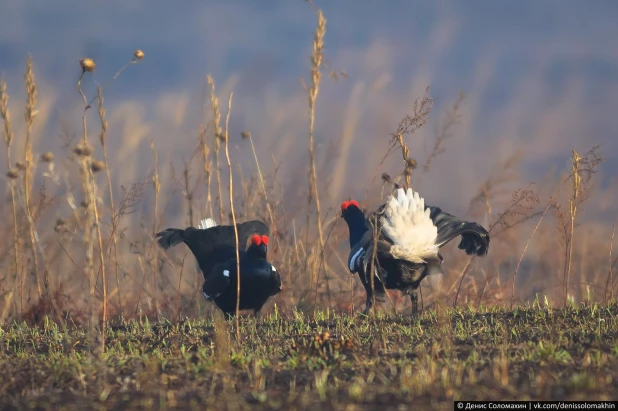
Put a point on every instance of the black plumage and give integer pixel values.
(373, 252)
(212, 245)
(214, 249)
(259, 280)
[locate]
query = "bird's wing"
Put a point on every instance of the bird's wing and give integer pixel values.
(358, 252)
(474, 238)
(218, 279)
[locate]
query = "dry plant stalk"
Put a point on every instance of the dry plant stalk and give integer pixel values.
(443, 133)
(89, 203)
(316, 75)
(12, 176)
(218, 135)
(229, 164)
(521, 257)
(409, 125)
(611, 266)
(583, 169)
(576, 181)
(156, 186)
(103, 141)
(519, 211)
(207, 167)
(247, 135)
(31, 111)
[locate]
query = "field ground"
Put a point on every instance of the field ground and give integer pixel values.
(324, 362)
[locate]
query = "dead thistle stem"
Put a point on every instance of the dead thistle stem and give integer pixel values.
(229, 164)
(576, 185)
(89, 203)
(216, 119)
(316, 75)
(155, 249)
(29, 165)
(102, 138)
(8, 138)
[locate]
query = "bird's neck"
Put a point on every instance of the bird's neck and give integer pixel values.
(356, 225)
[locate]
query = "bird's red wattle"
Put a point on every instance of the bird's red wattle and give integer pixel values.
(256, 240)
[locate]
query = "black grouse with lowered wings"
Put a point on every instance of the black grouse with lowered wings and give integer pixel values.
(214, 246)
(259, 280)
(406, 246)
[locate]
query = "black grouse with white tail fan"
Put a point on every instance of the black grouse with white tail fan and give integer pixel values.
(406, 247)
(259, 280)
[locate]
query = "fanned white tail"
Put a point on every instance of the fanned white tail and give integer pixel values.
(409, 226)
(206, 223)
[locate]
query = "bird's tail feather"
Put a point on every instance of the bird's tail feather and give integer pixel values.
(409, 226)
(170, 237)
(207, 223)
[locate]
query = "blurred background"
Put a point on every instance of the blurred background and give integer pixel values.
(540, 79)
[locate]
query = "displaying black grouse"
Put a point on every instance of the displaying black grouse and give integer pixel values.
(215, 245)
(211, 243)
(406, 247)
(259, 280)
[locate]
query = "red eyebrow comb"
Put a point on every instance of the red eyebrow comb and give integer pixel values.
(344, 205)
(256, 239)
(265, 240)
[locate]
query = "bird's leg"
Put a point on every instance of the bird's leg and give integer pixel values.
(369, 303)
(414, 299)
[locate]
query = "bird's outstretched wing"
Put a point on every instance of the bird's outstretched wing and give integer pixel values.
(474, 238)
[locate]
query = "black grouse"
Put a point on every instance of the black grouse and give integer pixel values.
(213, 244)
(259, 280)
(409, 235)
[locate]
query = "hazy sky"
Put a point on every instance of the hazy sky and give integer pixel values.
(541, 76)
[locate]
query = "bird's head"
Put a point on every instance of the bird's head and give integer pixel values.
(259, 244)
(350, 208)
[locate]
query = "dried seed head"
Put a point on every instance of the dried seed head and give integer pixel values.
(245, 135)
(82, 150)
(60, 225)
(47, 157)
(221, 136)
(138, 54)
(411, 163)
(85, 203)
(20, 165)
(386, 177)
(97, 166)
(87, 64)
(12, 174)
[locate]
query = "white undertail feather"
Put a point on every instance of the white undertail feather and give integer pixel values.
(409, 226)
(206, 223)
